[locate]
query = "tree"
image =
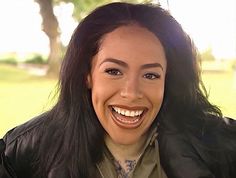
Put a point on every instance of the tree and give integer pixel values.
(51, 27)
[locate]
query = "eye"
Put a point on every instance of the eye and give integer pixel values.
(152, 76)
(113, 71)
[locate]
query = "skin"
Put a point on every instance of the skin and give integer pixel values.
(127, 74)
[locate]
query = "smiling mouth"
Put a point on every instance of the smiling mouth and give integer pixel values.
(127, 118)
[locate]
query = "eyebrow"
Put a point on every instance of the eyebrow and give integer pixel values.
(122, 63)
(152, 65)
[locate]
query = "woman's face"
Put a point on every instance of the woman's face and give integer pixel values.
(127, 82)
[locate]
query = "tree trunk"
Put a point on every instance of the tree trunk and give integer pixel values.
(51, 28)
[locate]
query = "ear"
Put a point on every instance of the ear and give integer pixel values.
(89, 81)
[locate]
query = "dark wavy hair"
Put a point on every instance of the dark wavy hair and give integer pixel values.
(73, 136)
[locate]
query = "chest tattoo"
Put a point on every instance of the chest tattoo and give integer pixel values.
(129, 166)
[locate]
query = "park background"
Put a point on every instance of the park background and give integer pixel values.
(34, 36)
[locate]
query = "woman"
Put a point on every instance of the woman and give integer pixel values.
(130, 105)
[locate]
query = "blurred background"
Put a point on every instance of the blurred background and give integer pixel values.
(34, 35)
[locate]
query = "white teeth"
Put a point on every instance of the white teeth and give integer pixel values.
(132, 114)
(128, 113)
(122, 112)
(128, 121)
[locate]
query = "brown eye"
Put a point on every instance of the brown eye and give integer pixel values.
(152, 76)
(113, 72)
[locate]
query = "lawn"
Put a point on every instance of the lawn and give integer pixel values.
(23, 96)
(221, 87)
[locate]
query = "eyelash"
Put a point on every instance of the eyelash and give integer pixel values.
(112, 71)
(152, 76)
(116, 72)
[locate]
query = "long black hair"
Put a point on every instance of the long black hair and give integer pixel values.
(73, 136)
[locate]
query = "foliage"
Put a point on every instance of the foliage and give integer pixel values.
(207, 55)
(234, 65)
(9, 59)
(51, 27)
(83, 7)
(36, 59)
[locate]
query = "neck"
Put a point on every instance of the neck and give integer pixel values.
(125, 152)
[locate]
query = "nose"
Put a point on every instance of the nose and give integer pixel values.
(131, 90)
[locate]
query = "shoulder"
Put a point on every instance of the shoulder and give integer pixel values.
(212, 132)
(23, 130)
(178, 157)
(209, 152)
(21, 145)
(27, 132)
(219, 134)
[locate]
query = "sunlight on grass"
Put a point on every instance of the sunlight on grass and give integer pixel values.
(221, 87)
(22, 96)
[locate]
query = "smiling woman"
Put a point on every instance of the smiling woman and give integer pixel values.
(130, 105)
(131, 62)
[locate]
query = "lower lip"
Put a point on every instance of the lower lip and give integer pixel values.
(128, 124)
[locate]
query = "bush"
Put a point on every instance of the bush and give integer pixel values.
(8, 60)
(36, 59)
(207, 55)
(234, 65)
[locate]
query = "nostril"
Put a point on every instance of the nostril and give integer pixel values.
(131, 89)
(132, 94)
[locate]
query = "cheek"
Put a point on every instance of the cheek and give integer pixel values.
(156, 95)
(98, 96)
(101, 92)
(100, 101)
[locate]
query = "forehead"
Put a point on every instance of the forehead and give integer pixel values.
(131, 43)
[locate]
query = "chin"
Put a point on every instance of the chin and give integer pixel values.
(125, 140)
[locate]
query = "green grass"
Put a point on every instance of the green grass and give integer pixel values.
(221, 87)
(23, 96)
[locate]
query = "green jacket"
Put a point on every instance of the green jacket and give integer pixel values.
(148, 165)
